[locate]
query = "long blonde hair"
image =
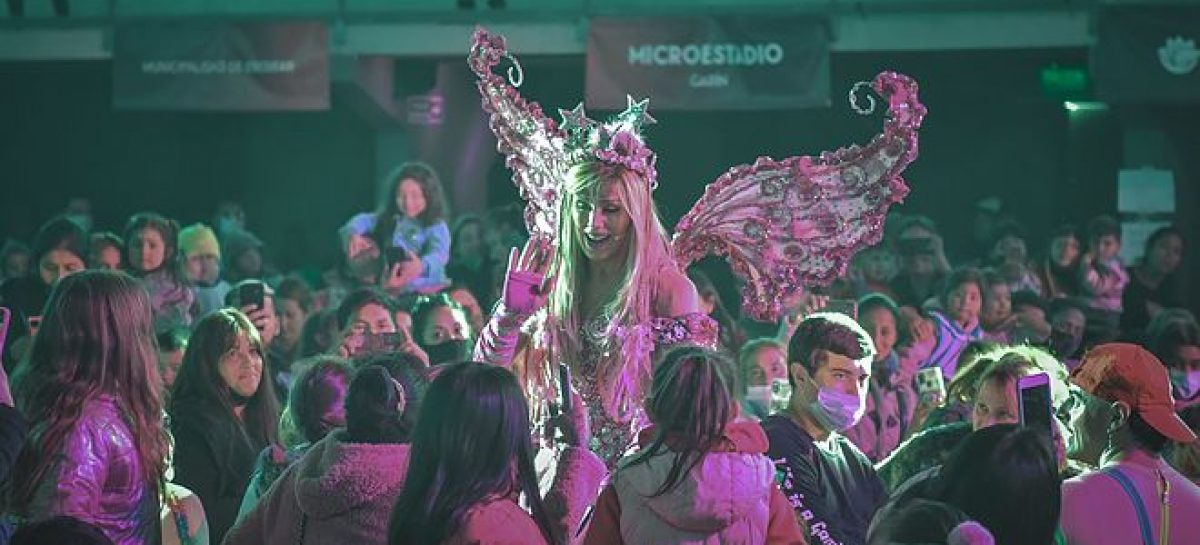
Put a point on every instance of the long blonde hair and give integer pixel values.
(626, 370)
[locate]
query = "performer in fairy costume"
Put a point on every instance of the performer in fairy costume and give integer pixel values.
(601, 287)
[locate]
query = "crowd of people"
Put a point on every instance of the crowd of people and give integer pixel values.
(170, 389)
(459, 380)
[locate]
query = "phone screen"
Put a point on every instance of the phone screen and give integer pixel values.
(382, 343)
(564, 386)
(33, 323)
(251, 295)
(396, 255)
(1035, 403)
(930, 381)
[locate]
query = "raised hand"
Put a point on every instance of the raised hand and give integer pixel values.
(526, 286)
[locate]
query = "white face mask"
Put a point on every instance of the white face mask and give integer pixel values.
(837, 411)
(759, 397)
(1186, 384)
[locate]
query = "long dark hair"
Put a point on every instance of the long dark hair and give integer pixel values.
(1005, 476)
(376, 408)
(473, 432)
(413, 375)
(386, 213)
(691, 400)
(316, 401)
(200, 380)
(96, 339)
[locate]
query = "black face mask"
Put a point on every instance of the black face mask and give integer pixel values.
(238, 400)
(452, 351)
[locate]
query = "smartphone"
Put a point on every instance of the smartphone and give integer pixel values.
(33, 323)
(930, 382)
(781, 395)
(383, 343)
(849, 307)
(564, 387)
(1034, 398)
(251, 294)
(395, 255)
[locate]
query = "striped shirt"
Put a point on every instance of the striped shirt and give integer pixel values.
(951, 341)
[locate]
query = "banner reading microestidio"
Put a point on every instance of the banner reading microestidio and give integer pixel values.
(709, 63)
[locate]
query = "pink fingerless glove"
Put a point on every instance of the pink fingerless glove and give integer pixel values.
(522, 293)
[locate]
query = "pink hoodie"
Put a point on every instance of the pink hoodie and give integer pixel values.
(501, 521)
(729, 497)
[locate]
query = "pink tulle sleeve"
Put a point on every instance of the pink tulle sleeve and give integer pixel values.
(797, 221)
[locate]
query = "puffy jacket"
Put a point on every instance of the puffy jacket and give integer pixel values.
(98, 479)
(338, 492)
(729, 497)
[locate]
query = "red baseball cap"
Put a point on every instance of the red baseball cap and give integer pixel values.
(1129, 373)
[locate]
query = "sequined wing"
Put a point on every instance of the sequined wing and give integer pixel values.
(533, 144)
(798, 221)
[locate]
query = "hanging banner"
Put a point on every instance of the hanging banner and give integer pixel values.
(1147, 54)
(709, 63)
(215, 66)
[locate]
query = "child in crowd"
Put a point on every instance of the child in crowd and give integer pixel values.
(958, 322)
(171, 346)
(1010, 258)
(996, 315)
(201, 255)
(1058, 271)
(892, 402)
(1103, 276)
(472, 462)
(343, 488)
(315, 407)
(410, 229)
(702, 475)
(1011, 317)
(107, 251)
(152, 256)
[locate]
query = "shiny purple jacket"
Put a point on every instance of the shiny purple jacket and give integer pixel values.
(98, 479)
